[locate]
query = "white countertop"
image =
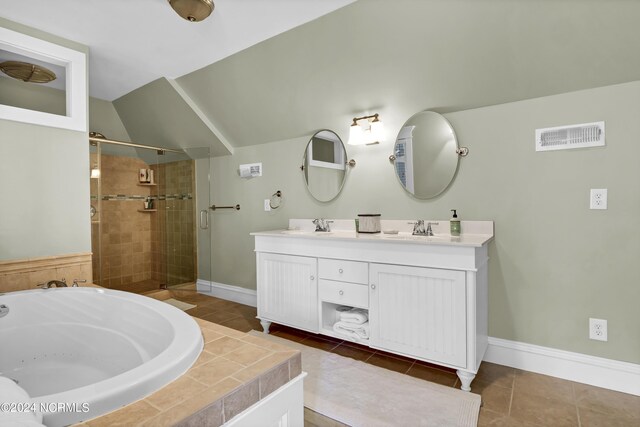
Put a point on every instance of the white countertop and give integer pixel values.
(480, 232)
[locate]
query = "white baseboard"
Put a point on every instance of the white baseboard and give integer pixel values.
(228, 292)
(582, 368)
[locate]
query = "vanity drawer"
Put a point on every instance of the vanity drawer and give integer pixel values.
(344, 293)
(345, 271)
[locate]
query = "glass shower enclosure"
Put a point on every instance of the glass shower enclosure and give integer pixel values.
(144, 224)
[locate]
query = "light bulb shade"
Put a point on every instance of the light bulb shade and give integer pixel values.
(356, 136)
(376, 130)
(192, 10)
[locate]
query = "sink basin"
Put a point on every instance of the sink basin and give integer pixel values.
(306, 233)
(407, 237)
(294, 232)
(418, 238)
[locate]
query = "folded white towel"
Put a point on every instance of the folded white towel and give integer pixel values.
(10, 392)
(355, 332)
(356, 316)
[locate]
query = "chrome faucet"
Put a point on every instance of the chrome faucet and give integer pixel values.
(322, 225)
(429, 231)
(54, 284)
(418, 228)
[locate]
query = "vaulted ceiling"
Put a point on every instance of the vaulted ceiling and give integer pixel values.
(134, 42)
(402, 56)
(396, 57)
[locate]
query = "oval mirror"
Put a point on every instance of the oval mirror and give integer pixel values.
(426, 154)
(323, 165)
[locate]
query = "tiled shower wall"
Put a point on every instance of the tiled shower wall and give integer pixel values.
(135, 246)
(125, 233)
(173, 235)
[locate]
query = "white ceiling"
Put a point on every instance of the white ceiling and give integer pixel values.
(133, 42)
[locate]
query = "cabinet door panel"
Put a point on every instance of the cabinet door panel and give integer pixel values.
(419, 312)
(288, 290)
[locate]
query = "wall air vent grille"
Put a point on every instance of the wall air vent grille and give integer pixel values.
(574, 136)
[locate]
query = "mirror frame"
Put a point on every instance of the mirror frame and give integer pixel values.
(307, 158)
(75, 63)
(459, 151)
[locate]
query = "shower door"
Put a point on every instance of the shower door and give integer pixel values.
(147, 232)
(183, 231)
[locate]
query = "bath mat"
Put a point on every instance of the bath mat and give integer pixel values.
(359, 394)
(179, 304)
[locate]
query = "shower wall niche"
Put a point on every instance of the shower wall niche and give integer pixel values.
(143, 234)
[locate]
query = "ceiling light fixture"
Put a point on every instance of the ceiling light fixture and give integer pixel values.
(192, 10)
(369, 136)
(30, 73)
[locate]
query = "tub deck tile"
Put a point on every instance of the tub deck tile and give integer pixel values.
(248, 354)
(263, 366)
(204, 357)
(175, 393)
(214, 371)
(223, 345)
(233, 372)
(130, 415)
(210, 335)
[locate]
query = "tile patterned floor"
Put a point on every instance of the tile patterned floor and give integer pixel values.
(510, 397)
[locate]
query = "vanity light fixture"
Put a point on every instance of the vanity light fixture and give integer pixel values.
(366, 136)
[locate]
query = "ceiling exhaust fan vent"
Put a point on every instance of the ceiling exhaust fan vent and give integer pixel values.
(573, 136)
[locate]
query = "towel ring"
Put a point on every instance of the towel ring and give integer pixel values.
(278, 200)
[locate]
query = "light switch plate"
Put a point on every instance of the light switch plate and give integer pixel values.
(267, 205)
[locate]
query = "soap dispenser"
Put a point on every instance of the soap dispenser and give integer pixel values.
(455, 224)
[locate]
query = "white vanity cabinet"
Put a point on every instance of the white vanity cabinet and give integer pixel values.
(287, 291)
(427, 298)
(420, 312)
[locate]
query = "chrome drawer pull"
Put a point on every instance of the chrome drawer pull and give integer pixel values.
(341, 292)
(373, 286)
(312, 278)
(340, 271)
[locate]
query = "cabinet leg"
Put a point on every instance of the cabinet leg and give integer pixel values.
(465, 379)
(265, 326)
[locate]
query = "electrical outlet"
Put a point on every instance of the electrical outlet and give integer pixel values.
(597, 329)
(267, 205)
(598, 198)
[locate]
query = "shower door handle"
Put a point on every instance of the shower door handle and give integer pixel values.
(204, 219)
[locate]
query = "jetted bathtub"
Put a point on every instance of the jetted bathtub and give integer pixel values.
(93, 349)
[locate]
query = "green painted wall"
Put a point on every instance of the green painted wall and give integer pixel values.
(104, 118)
(44, 185)
(160, 115)
(554, 263)
(16, 93)
(375, 55)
